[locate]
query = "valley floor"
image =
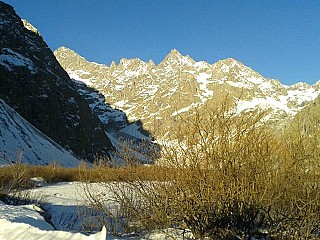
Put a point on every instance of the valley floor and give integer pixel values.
(61, 218)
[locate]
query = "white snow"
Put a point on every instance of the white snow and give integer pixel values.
(30, 27)
(185, 109)
(76, 76)
(121, 103)
(263, 103)
(266, 87)
(119, 87)
(203, 80)
(303, 95)
(22, 231)
(150, 91)
(201, 65)
(182, 110)
(10, 58)
(298, 95)
(63, 202)
(185, 60)
(254, 80)
(19, 139)
(27, 214)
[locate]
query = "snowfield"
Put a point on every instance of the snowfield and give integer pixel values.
(63, 205)
(14, 230)
(29, 221)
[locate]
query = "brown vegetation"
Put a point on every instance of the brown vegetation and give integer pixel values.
(230, 178)
(19, 174)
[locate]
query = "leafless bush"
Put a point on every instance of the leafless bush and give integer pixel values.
(228, 177)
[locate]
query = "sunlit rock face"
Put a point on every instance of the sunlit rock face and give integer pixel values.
(179, 85)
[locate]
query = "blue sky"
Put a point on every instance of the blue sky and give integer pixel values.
(279, 39)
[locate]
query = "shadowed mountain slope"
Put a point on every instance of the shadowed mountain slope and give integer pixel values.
(37, 87)
(22, 142)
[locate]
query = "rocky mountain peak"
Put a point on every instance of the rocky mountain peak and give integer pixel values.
(300, 85)
(176, 59)
(232, 70)
(131, 63)
(7, 12)
(174, 53)
(231, 64)
(64, 52)
(151, 63)
(231, 61)
(317, 85)
(30, 27)
(113, 66)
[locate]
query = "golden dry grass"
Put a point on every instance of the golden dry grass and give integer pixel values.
(55, 173)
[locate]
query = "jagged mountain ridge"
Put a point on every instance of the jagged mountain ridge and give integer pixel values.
(37, 87)
(20, 141)
(179, 84)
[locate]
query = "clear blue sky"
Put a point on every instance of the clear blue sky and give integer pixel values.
(279, 39)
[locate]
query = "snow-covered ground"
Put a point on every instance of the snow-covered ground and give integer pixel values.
(15, 230)
(61, 217)
(21, 141)
(31, 222)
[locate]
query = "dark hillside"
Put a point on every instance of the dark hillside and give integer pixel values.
(37, 87)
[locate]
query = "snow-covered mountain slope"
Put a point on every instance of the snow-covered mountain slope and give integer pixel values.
(179, 85)
(20, 141)
(113, 119)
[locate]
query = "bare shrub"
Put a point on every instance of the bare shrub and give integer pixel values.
(294, 211)
(228, 177)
